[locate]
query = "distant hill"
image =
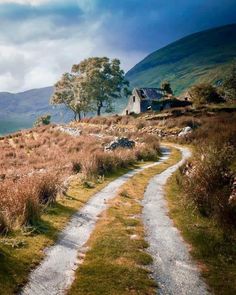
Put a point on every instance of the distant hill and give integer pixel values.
(29, 103)
(20, 110)
(204, 56)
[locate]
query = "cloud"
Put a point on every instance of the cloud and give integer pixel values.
(26, 2)
(39, 40)
(49, 50)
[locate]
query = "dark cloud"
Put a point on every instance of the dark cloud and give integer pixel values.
(67, 31)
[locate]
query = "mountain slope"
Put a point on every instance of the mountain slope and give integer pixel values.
(30, 103)
(204, 56)
(20, 110)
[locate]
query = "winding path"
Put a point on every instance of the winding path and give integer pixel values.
(56, 272)
(173, 269)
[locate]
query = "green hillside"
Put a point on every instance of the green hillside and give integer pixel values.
(204, 56)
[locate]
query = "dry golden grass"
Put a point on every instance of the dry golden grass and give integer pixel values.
(35, 163)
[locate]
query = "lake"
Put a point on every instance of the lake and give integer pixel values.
(13, 124)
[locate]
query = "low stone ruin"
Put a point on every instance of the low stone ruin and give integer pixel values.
(71, 131)
(122, 142)
(185, 131)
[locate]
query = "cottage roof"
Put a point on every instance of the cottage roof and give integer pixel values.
(149, 93)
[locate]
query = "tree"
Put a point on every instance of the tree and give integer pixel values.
(43, 120)
(166, 87)
(229, 84)
(103, 81)
(204, 93)
(70, 91)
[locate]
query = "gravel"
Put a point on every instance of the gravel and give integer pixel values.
(173, 269)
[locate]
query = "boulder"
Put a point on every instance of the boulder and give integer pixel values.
(185, 131)
(122, 142)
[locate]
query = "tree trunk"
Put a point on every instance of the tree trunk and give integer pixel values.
(99, 107)
(79, 116)
(75, 116)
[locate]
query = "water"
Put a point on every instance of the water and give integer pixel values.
(13, 124)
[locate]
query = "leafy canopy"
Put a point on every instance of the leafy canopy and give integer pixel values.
(43, 120)
(204, 93)
(93, 84)
(166, 87)
(104, 81)
(70, 92)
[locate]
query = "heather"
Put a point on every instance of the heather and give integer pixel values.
(35, 166)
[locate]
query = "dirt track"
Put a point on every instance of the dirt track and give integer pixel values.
(173, 269)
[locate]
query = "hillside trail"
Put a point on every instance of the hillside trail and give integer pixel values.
(56, 272)
(172, 268)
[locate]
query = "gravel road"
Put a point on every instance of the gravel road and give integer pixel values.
(173, 269)
(56, 272)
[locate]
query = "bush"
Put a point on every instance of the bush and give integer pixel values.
(42, 120)
(46, 188)
(22, 200)
(204, 93)
(208, 184)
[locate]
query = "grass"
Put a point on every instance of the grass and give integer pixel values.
(116, 262)
(212, 246)
(35, 164)
(202, 57)
(22, 250)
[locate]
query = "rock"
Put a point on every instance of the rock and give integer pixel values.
(122, 142)
(185, 131)
(71, 131)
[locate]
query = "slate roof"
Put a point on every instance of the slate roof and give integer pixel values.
(150, 93)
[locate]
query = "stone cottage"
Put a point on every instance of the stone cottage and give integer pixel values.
(145, 99)
(152, 99)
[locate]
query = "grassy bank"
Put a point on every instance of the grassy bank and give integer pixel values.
(211, 245)
(22, 250)
(116, 260)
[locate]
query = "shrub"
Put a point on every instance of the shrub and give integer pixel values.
(146, 153)
(209, 183)
(46, 188)
(204, 93)
(42, 120)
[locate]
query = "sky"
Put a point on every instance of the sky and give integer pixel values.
(41, 39)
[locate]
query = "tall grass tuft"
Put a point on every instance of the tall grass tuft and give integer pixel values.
(31, 213)
(46, 189)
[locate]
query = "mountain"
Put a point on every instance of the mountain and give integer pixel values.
(29, 103)
(20, 110)
(200, 57)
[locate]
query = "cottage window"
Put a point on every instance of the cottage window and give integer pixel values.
(133, 98)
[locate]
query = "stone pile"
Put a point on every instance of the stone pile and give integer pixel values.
(122, 142)
(71, 131)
